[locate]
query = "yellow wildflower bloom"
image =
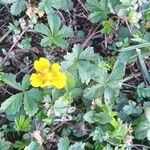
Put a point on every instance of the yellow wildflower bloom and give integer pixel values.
(47, 74)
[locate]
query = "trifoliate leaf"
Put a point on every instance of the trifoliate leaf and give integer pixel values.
(132, 109)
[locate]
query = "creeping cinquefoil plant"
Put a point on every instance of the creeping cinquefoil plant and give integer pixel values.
(74, 74)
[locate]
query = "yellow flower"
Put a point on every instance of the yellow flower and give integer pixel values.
(47, 74)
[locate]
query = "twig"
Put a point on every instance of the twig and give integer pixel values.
(128, 26)
(6, 91)
(15, 43)
(82, 5)
(90, 36)
(82, 40)
(4, 36)
(140, 145)
(58, 126)
(24, 69)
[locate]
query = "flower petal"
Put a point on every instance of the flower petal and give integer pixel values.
(59, 81)
(42, 65)
(36, 80)
(55, 68)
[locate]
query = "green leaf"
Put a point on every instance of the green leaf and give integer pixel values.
(26, 43)
(54, 19)
(42, 29)
(107, 26)
(88, 54)
(45, 5)
(62, 4)
(63, 144)
(22, 124)
(25, 82)
(17, 7)
(147, 110)
(93, 92)
(61, 106)
(123, 33)
(19, 145)
(132, 109)
(103, 118)
(55, 34)
(65, 32)
(4, 145)
(143, 65)
(81, 61)
(139, 46)
(48, 5)
(89, 116)
(148, 134)
(134, 17)
(86, 71)
(114, 81)
(12, 105)
(97, 134)
(10, 79)
(141, 127)
(33, 146)
(31, 99)
(114, 3)
(70, 82)
(117, 73)
(98, 9)
(8, 1)
(77, 146)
